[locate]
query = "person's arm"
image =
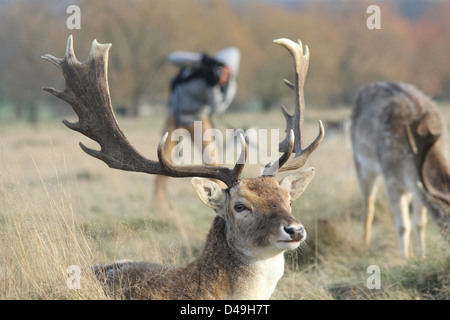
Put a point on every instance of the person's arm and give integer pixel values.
(185, 59)
(220, 101)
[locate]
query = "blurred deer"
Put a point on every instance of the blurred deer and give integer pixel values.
(398, 133)
(243, 254)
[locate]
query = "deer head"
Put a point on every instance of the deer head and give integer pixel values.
(438, 201)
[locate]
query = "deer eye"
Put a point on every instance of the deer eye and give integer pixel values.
(239, 207)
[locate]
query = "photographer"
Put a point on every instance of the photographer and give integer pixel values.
(204, 86)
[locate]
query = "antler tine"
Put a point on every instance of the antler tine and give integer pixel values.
(70, 53)
(300, 158)
(87, 92)
(301, 62)
(295, 122)
(273, 167)
(226, 175)
(239, 166)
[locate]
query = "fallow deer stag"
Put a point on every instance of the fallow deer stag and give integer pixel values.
(398, 133)
(243, 254)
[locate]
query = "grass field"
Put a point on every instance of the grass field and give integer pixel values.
(59, 207)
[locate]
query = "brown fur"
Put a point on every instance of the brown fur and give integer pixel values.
(270, 202)
(197, 280)
(229, 266)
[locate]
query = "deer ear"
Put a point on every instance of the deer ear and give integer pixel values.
(209, 192)
(296, 183)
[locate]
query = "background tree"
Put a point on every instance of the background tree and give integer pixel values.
(21, 66)
(412, 46)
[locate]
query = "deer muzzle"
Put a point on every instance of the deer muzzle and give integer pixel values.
(295, 232)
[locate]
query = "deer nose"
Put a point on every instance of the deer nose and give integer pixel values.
(296, 233)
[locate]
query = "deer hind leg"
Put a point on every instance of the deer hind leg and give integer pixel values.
(420, 223)
(399, 201)
(368, 182)
(208, 148)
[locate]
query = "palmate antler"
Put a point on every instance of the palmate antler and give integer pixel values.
(87, 92)
(295, 122)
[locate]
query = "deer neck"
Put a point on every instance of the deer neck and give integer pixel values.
(437, 200)
(231, 274)
(437, 171)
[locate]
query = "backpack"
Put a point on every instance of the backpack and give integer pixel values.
(209, 69)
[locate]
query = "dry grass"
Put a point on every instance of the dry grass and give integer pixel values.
(59, 207)
(39, 240)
